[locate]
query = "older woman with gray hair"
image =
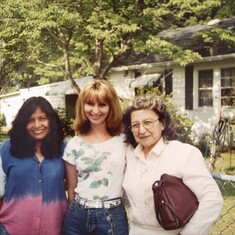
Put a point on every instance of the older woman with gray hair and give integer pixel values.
(152, 151)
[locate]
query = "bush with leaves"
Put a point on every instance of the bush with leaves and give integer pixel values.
(67, 122)
(2, 120)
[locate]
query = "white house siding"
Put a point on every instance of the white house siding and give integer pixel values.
(9, 105)
(57, 101)
(121, 84)
(122, 77)
(37, 90)
(205, 118)
(178, 96)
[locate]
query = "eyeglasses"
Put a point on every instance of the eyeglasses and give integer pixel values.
(147, 124)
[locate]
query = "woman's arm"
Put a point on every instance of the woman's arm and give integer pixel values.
(71, 174)
(2, 182)
(200, 181)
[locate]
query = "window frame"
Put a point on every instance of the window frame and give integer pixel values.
(205, 89)
(227, 87)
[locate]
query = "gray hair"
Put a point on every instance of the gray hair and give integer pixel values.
(155, 104)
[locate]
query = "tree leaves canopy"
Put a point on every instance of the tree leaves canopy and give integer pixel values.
(52, 40)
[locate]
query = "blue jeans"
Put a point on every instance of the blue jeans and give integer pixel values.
(101, 221)
(3, 231)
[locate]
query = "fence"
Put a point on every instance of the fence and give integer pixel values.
(225, 224)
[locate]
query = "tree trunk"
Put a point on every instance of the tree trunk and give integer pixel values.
(98, 59)
(68, 73)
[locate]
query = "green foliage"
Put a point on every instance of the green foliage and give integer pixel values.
(226, 9)
(224, 164)
(3, 132)
(169, 50)
(204, 144)
(67, 122)
(2, 120)
(183, 124)
(216, 37)
(3, 136)
(47, 41)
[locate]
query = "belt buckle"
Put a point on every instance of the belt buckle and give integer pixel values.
(87, 204)
(97, 204)
(114, 203)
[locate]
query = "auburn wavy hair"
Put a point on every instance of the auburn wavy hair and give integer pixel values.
(103, 92)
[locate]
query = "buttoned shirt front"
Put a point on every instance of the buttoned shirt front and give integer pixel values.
(34, 201)
(178, 159)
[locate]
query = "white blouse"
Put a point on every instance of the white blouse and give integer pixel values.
(178, 159)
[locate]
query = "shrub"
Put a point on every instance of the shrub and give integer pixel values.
(2, 120)
(67, 122)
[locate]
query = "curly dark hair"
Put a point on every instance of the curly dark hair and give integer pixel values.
(22, 144)
(155, 104)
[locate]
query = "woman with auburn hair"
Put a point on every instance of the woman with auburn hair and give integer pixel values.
(32, 172)
(95, 163)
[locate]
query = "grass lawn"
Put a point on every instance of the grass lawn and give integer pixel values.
(225, 225)
(225, 164)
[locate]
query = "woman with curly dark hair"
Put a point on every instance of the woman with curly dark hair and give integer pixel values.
(152, 152)
(32, 172)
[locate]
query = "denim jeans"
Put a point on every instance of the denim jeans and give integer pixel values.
(101, 221)
(3, 231)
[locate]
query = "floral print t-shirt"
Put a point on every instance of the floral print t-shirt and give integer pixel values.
(100, 167)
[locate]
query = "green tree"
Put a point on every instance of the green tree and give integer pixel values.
(51, 40)
(15, 54)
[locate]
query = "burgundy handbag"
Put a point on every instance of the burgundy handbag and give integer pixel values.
(174, 202)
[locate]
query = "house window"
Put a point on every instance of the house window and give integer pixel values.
(137, 73)
(205, 88)
(228, 87)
